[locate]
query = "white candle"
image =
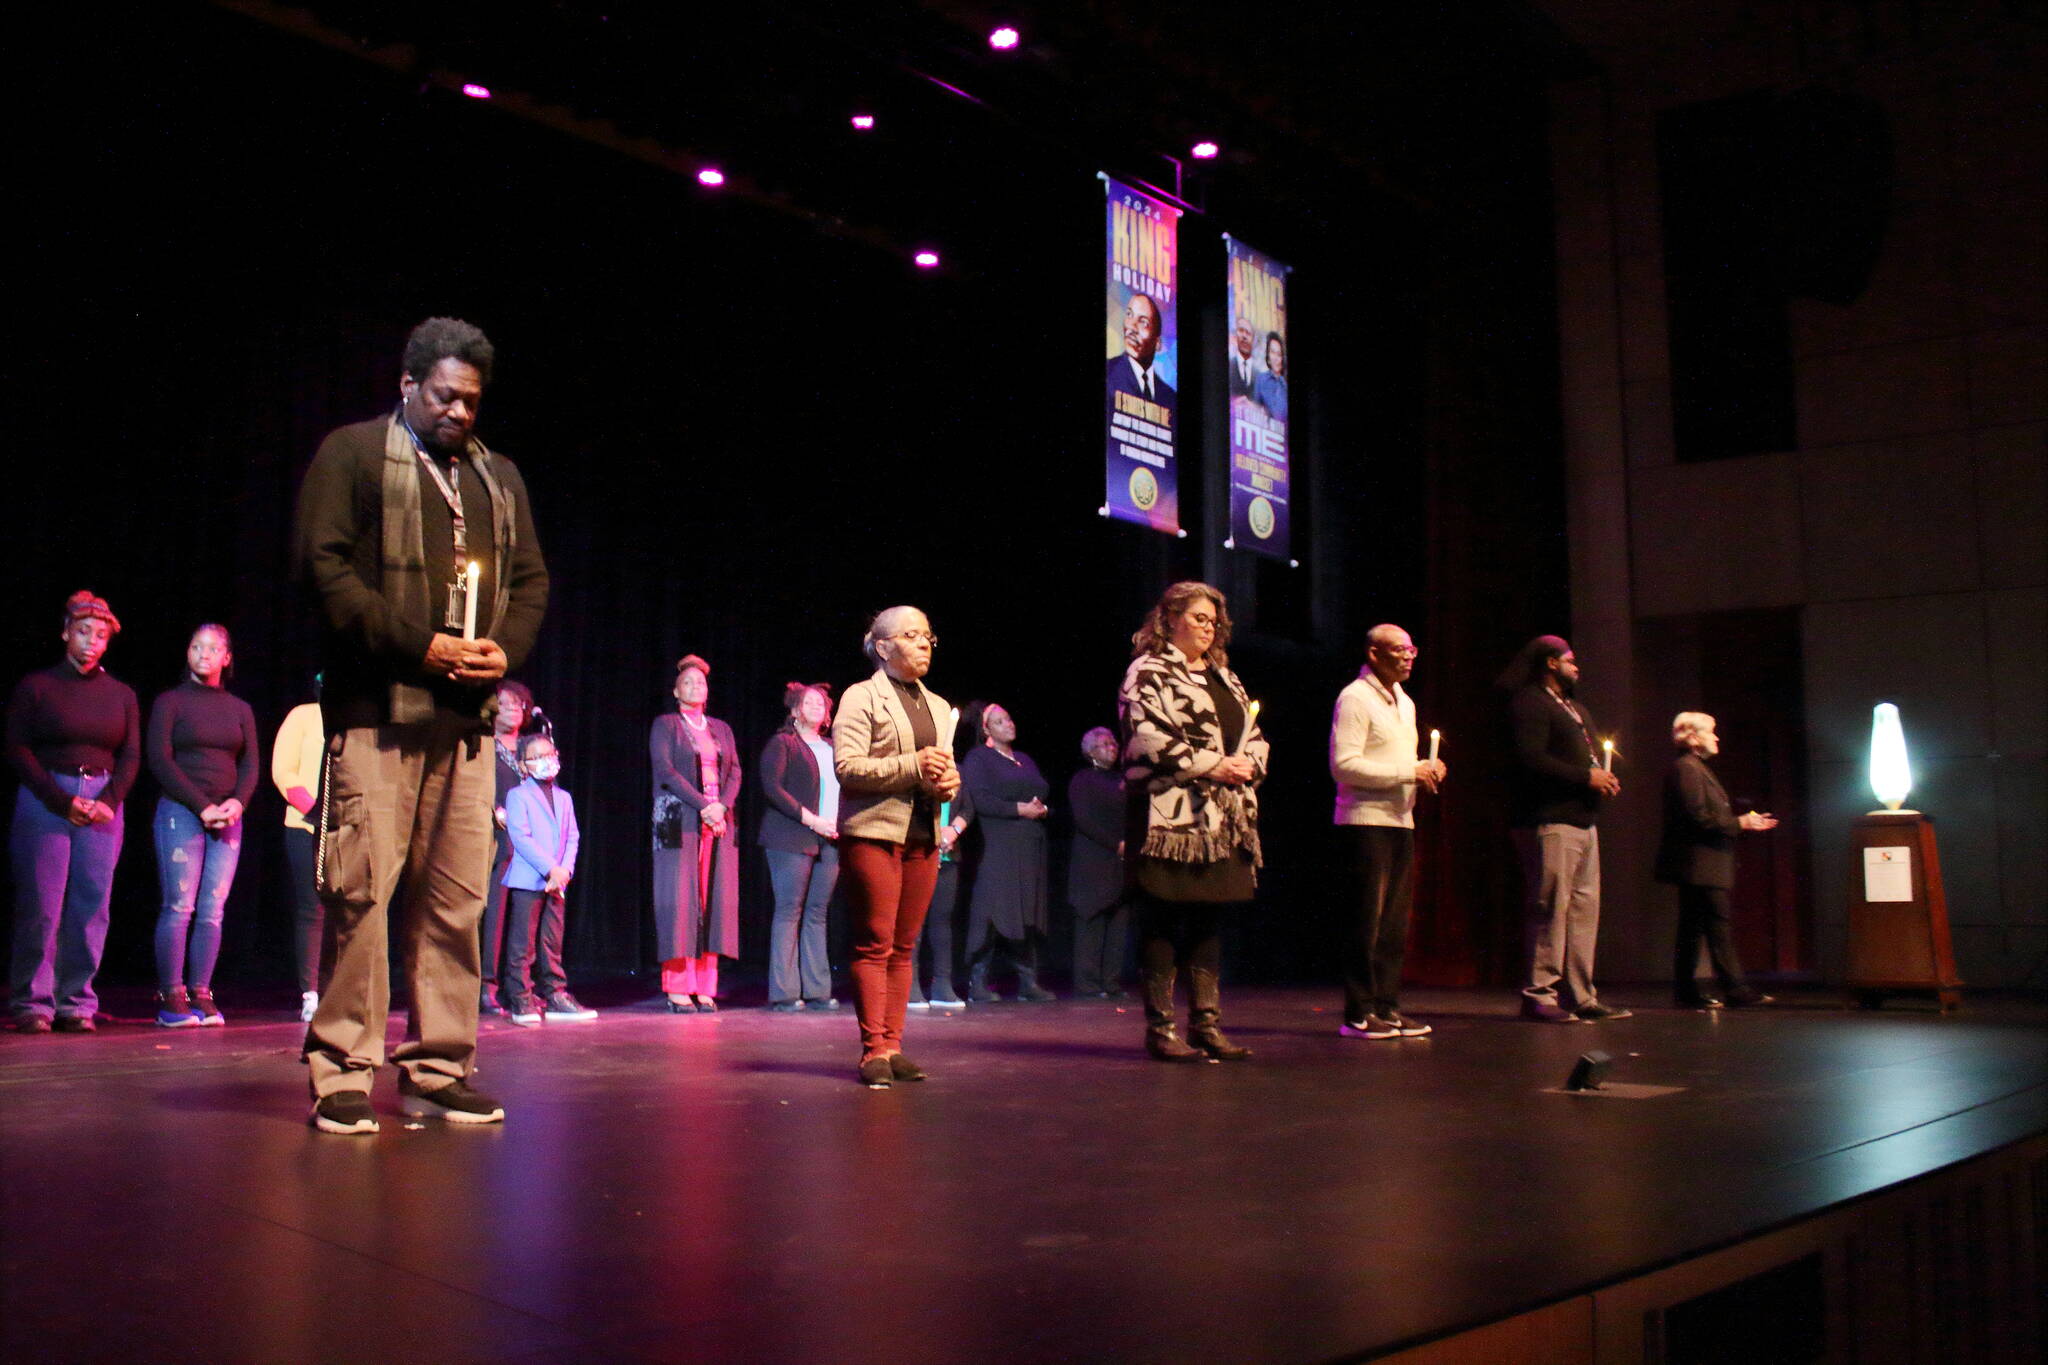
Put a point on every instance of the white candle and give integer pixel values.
(1607, 754)
(469, 601)
(1251, 719)
(1436, 742)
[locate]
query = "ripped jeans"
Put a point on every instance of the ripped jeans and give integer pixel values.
(196, 867)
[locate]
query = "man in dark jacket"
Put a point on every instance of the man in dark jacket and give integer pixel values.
(1697, 855)
(418, 545)
(1558, 787)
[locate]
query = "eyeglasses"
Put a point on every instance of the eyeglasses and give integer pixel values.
(910, 635)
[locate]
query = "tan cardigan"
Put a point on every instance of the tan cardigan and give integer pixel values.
(876, 759)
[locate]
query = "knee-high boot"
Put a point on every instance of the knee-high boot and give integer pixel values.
(1161, 1039)
(1205, 1012)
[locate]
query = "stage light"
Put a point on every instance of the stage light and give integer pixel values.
(1004, 38)
(863, 122)
(475, 91)
(711, 176)
(1204, 151)
(926, 260)
(1891, 776)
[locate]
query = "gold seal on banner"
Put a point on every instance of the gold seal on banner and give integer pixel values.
(1260, 515)
(1144, 489)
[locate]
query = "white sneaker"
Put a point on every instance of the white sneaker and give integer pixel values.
(1373, 1027)
(562, 1007)
(309, 1001)
(920, 1005)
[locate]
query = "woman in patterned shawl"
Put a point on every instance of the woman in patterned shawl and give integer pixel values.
(1193, 760)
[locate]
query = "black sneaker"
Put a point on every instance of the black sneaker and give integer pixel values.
(523, 1011)
(1372, 1027)
(785, 1006)
(562, 1007)
(455, 1102)
(1408, 1028)
(876, 1073)
(345, 1111)
(1542, 1012)
(75, 1023)
(27, 1022)
(1596, 1012)
(203, 1007)
(901, 1068)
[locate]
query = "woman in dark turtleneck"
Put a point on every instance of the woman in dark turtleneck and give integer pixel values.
(74, 738)
(202, 752)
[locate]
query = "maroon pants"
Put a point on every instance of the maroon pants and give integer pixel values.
(889, 888)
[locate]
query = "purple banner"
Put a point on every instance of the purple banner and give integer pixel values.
(1257, 389)
(1141, 406)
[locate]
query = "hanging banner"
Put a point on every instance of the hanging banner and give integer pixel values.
(1258, 368)
(1141, 408)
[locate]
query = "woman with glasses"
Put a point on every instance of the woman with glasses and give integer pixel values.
(1193, 758)
(892, 748)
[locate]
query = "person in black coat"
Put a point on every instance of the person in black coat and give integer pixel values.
(1007, 902)
(799, 836)
(1557, 790)
(1095, 869)
(1697, 855)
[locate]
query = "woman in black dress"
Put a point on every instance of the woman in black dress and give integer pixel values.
(1007, 904)
(696, 766)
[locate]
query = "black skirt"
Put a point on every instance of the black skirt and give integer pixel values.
(1221, 882)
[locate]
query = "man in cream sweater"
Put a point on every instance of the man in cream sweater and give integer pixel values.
(1373, 762)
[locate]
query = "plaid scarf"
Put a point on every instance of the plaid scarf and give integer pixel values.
(405, 583)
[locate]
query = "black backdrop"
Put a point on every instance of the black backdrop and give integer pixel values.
(743, 436)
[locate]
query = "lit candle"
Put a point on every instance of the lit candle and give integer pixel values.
(1607, 754)
(1436, 742)
(469, 601)
(1251, 719)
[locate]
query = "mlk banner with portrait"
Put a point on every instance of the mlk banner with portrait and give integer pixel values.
(1141, 406)
(1257, 388)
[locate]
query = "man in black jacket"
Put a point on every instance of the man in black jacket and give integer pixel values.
(418, 545)
(1558, 787)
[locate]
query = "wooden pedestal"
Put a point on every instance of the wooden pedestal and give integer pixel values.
(1899, 942)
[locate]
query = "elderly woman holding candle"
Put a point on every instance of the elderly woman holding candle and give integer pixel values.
(892, 746)
(1193, 758)
(696, 767)
(1697, 855)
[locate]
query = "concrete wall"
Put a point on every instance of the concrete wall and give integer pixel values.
(1907, 526)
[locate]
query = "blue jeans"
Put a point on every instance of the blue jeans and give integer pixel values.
(63, 880)
(196, 867)
(797, 967)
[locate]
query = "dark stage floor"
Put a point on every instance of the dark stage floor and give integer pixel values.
(701, 1188)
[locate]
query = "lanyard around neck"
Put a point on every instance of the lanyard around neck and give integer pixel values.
(449, 491)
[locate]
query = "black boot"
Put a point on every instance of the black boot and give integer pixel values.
(1161, 1040)
(1027, 975)
(978, 992)
(1205, 1010)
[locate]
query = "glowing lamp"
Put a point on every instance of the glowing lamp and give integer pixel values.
(1891, 775)
(1004, 38)
(1204, 151)
(475, 91)
(926, 260)
(862, 122)
(711, 176)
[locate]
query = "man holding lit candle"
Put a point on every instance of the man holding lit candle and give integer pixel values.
(1558, 787)
(1373, 742)
(418, 545)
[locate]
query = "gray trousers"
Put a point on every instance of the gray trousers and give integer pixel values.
(1561, 886)
(797, 964)
(410, 800)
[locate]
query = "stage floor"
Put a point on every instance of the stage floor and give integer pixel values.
(717, 1188)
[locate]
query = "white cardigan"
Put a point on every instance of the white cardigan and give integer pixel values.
(1373, 755)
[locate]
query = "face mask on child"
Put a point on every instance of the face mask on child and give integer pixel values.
(544, 769)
